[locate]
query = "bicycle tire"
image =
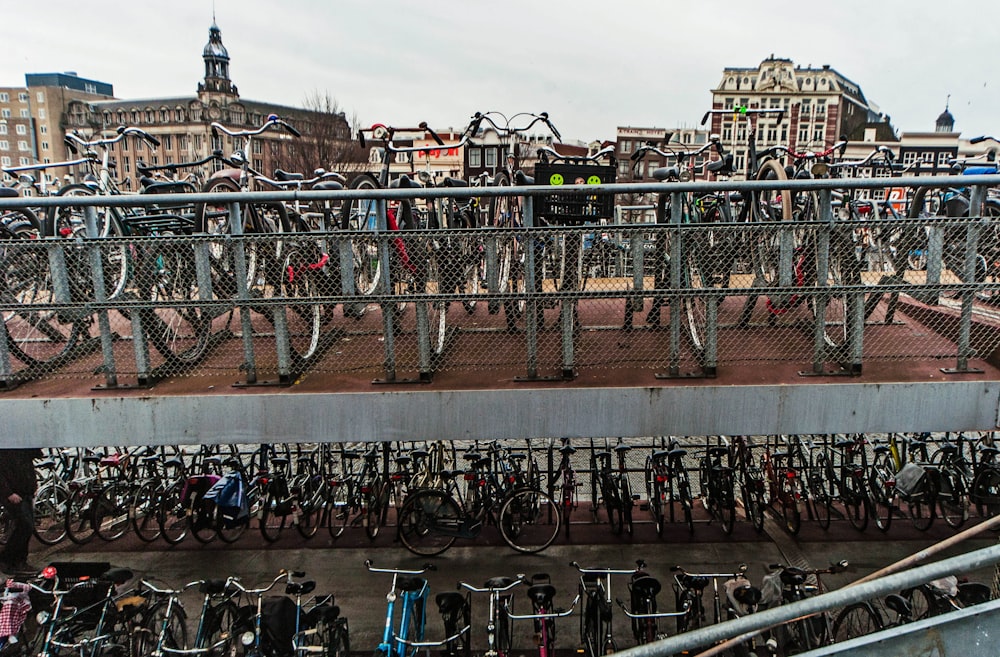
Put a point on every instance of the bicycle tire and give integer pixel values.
(420, 517)
(152, 625)
(985, 491)
(855, 499)
(173, 521)
(882, 493)
(80, 516)
(339, 508)
(590, 623)
(952, 499)
(297, 283)
(921, 514)
(791, 515)
(655, 495)
(50, 513)
(359, 215)
(376, 508)
(34, 337)
(145, 512)
(854, 620)
(684, 495)
(201, 519)
(727, 502)
(338, 643)
(179, 331)
(754, 498)
(312, 503)
(529, 520)
(272, 519)
(612, 507)
(627, 505)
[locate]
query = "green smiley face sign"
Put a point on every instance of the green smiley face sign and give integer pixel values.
(594, 180)
(556, 179)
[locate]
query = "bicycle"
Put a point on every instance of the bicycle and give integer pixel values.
(812, 631)
(498, 615)
(785, 487)
(413, 591)
(567, 484)
(166, 630)
(668, 484)
(615, 489)
(432, 519)
(718, 487)
(753, 484)
(596, 631)
(643, 589)
(541, 593)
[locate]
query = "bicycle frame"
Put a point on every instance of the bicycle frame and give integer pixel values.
(408, 638)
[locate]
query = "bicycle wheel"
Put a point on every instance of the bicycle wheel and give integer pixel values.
(655, 494)
(858, 619)
(360, 215)
(35, 337)
(376, 508)
(171, 516)
(754, 497)
(156, 623)
(337, 640)
(80, 516)
(50, 513)
(922, 512)
(627, 504)
(612, 506)
(338, 508)
(180, 330)
(881, 485)
(986, 492)
(220, 623)
(200, 516)
(590, 627)
(274, 515)
(791, 515)
(312, 504)
(298, 284)
(952, 499)
(427, 522)
(145, 512)
(854, 495)
(727, 501)
(529, 520)
(684, 496)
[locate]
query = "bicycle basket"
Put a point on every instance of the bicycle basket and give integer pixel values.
(574, 209)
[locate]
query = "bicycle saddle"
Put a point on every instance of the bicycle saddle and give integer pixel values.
(117, 576)
(842, 444)
(498, 582)
(521, 179)
(8, 192)
(747, 595)
(622, 448)
(541, 595)
(723, 165)
(326, 613)
(328, 185)
(718, 451)
(286, 176)
(666, 173)
(471, 456)
(696, 582)
(212, 586)
(899, 604)
(677, 452)
(403, 182)
(793, 576)
(411, 583)
(567, 449)
(449, 601)
(646, 586)
(454, 182)
(300, 588)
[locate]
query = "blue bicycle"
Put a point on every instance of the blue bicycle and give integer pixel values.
(404, 637)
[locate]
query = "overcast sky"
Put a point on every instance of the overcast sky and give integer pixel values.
(592, 64)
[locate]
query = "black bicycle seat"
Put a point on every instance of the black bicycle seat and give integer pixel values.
(212, 586)
(300, 588)
(542, 594)
(499, 582)
(696, 582)
(718, 451)
(793, 576)
(411, 583)
(449, 601)
(454, 182)
(747, 595)
(117, 576)
(899, 604)
(521, 179)
(328, 185)
(646, 586)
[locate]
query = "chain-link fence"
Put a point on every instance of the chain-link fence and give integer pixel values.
(829, 289)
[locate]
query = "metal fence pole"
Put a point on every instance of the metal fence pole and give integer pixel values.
(676, 251)
(242, 291)
(531, 286)
(388, 306)
(821, 300)
(969, 276)
(101, 296)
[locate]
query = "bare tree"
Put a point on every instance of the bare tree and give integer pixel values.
(329, 139)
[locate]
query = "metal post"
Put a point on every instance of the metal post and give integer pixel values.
(6, 371)
(388, 314)
(821, 299)
(711, 356)
(676, 251)
(969, 277)
(242, 291)
(634, 304)
(101, 296)
(531, 310)
(492, 272)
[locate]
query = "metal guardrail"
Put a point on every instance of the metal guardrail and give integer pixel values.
(685, 299)
(761, 620)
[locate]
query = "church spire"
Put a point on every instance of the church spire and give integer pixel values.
(216, 63)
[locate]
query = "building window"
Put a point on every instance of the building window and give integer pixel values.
(40, 96)
(21, 129)
(164, 116)
(149, 116)
(909, 158)
(90, 88)
(625, 146)
(23, 161)
(22, 97)
(4, 97)
(4, 145)
(5, 161)
(5, 113)
(803, 133)
(182, 142)
(3, 128)
(475, 157)
(167, 141)
(25, 114)
(22, 145)
(818, 135)
(491, 157)
(943, 158)
(45, 145)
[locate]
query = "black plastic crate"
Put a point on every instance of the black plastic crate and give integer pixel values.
(574, 209)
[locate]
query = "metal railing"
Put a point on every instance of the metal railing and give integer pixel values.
(830, 292)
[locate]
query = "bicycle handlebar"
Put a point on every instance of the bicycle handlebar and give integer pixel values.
(235, 581)
(739, 573)
(474, 589)
(554, 614)
(746, 111)
(607, 571)
(273, 120)
(506, 130)
(662, 614)
(879, 151)
(74, 140)
(552, 154)
(372, 569)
